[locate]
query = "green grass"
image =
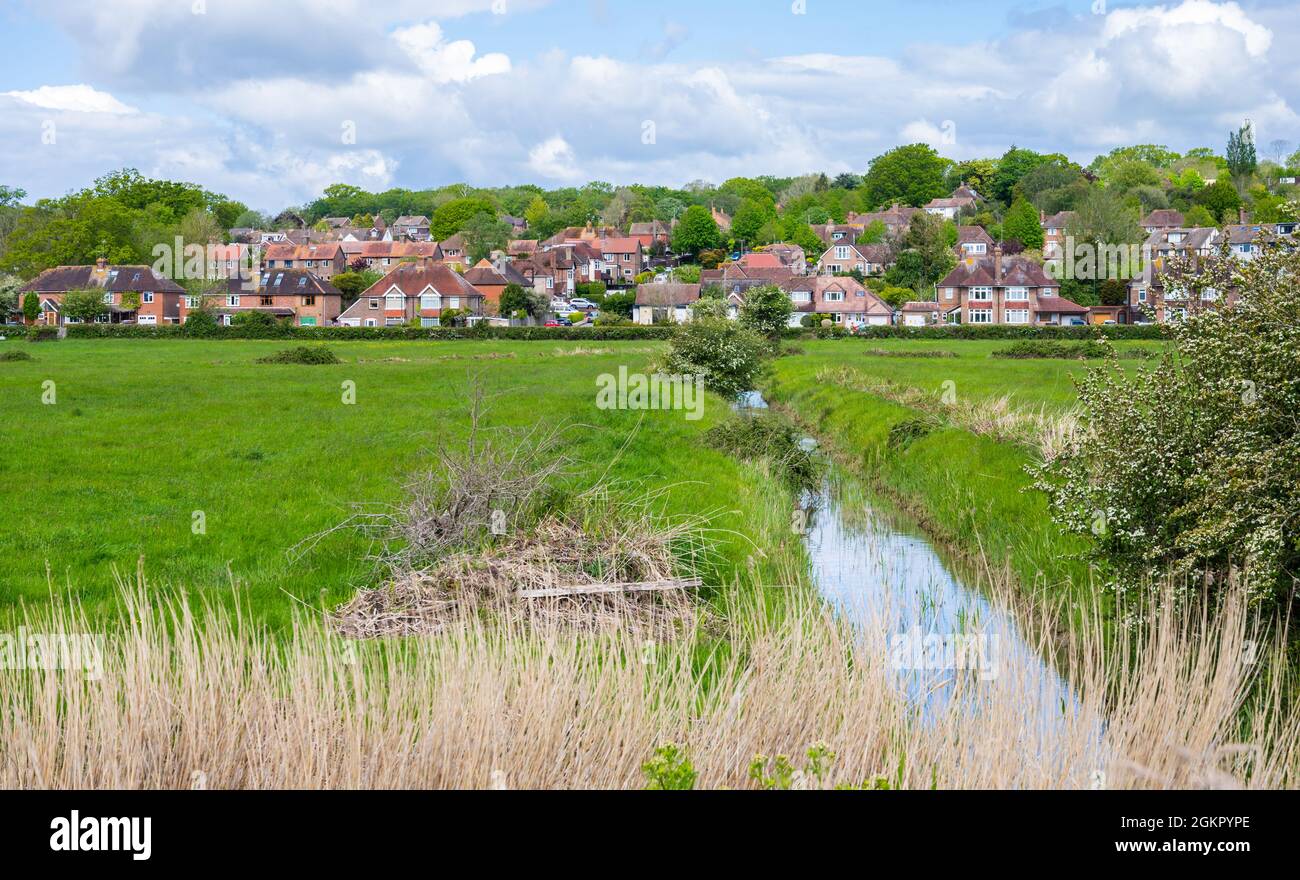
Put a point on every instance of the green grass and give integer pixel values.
(145, 433)
(1045, 382)
(970, 491)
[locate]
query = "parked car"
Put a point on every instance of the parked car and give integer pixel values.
(563, 321)
(581, 305)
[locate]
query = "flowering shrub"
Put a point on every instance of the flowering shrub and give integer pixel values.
(724, 355)
(1193, 466)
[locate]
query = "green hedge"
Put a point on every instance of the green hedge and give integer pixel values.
(324, 334)
(991, 331)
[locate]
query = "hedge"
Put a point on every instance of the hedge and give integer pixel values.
(989, 331)
(324, 334)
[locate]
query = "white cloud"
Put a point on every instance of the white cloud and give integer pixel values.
(79, 99)
(445, 62)
(554, 158)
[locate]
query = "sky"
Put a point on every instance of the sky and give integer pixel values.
(270, 101)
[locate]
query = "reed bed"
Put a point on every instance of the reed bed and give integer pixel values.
(205, 697)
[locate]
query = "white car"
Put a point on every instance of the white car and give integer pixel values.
(581, 304)
(560, 307)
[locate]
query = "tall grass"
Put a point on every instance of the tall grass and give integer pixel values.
(205, 697)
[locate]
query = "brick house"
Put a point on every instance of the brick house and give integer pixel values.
(973, 241)
(962, 197)
(419, 291)
(896, 218)
(323, 260)
(1161, 219)
(1054, 232)
(133, 294)
(453, 251)
(1011, 290)
(657, 303)
(622, 258)
(919, 314)
(1147, 297)
(847, 301)
(297, 296)
(491, 280)
(791, 256)
(869, 259)
(650, 234)
(382, 255)
(414, 227)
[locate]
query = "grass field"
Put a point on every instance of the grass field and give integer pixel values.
(969, 490)
(141, 435)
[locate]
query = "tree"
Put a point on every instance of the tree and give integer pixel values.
(1220, 199)
(721, 353)
(911, 174)
(874, 233)
(484, 233)
(1014, 165)
(1199, 215)
(9, 285)
(514, 301)
(926, 255)
(766, 310)
(83, 305)
(696, 231)
(1241, 151)
(1022, 224)
(453, 216)
(31, 307)
(750, 219)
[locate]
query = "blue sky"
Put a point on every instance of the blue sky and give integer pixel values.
(269, 102)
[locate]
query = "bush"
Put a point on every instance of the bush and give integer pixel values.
(44, 333)
(255, 319)
(1192, 469)
(15, 355)
(1009, 331)
(577, 317)
(303, 354)
(1088, 349)
(771, 437)
(724, 355)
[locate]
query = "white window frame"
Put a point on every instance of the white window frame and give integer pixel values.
(981, 316)
(1017, 294)
(981, 294)
(1017, 316)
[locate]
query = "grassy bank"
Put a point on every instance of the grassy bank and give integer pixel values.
(969, 490)
(134, 443)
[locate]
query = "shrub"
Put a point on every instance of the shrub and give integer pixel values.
(43, 333)
(766, 310)
(15, 355)
(724, 355)
(905, 433)
(290, 331)
(255, 319)
(577, 317)
(303, 354)
(773, 438)
(1193, 468)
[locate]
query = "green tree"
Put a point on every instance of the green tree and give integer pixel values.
(1220, 199)
(1241, 152)
(767, 310)
(456, 214)
(514, 301)
(696, 231)
(484, 233)
(31, 307)
(911, 174)
(1022, 224)
(1199, 215)
(84, 305)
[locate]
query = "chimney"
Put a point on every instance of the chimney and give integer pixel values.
(1042, 217)
(997, 263)
(1241, 216)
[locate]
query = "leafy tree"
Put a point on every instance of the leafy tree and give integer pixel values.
(1014, 165)
(9, 285)
(456, 214)
(515, 300)
(911, 174)
(750, 219)
(724, 355)
(874, 233)
(84, 305)
(484, 234)
(1022, 224)
(1199, 215)
(847, 181)
(696, 231)
(31, 307)
(619, 304)
(1220, 199)
(766, 310)
(1241, 151)
(926, 255)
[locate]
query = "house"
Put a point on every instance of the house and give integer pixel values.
(734, 280)
(843, 257)
(896, 218)
(973, 241)
(521, 247)
(650, 234)
(421, 291)
(453, 251)
(1054, 233)
(324, 260)
(297, 296)
(1149, 299)
(722, 218)
(919, 314)
(491, 280)
(759, 260)
(830, 233)
(962, 197)
(791, 256)
(580, 234)
(133, 294)
(231, 260)
(381, 255)
(414, 227)
(622, 257)
(1159, 220)
(846, 300)
(1010, 290)
(658, 303)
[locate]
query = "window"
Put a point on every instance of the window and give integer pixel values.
(1018, 294)
(430, 301)
(834, 268)
(192, 302)
(267, 301)
(146, 297)
(370, 322)
(975, 247)
(801, 296)
(374, 304)
(428, 322)
(1017, 316)
(982, 294)
(1047, 291)
(392, 322)
(981, 316)
(232, 300)
(1142, 294)
(947, 293)
(834, 296)
(309, 300)
(394, 301)
(453, 302)
(841, 253)
(108, 299)
(225, 319)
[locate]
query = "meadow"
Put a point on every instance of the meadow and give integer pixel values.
(144, 439)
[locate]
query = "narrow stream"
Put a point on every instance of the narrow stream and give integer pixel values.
(881, 574)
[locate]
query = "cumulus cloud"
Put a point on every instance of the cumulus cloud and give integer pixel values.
(445, 62)
(554, 158)
(79, 98)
